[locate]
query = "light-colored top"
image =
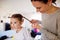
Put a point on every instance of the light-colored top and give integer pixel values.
(23, 34)
(51, 26)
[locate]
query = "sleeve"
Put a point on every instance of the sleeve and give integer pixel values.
(50, 35)
(27, 35)
(59, 26)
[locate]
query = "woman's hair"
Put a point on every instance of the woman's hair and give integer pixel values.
(18, 16)
(44, 1)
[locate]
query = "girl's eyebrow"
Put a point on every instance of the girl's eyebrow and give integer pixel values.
(38, 7)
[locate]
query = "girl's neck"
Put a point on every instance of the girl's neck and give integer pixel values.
(19, 29)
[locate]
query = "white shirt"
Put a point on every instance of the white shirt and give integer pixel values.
(23, 34)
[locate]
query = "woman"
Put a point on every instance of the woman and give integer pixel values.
(50, 19)
(22, 33)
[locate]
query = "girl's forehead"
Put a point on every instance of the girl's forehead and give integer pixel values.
(15, 19)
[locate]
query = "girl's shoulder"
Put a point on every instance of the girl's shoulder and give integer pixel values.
(24, 29)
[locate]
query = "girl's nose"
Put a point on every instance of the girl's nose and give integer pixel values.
(38, 10)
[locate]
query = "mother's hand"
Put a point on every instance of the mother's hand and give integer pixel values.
(35, 24)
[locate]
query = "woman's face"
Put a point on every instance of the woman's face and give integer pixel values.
(40, 6)
(15, 23)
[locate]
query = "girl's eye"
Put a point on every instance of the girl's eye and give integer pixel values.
(38, 7)
(14, 22)
(10, 22)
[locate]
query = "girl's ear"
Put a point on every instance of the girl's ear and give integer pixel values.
(22, 21)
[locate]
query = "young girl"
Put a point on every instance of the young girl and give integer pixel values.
(21, 33)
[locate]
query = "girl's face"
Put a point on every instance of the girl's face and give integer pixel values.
(40, 6)
(15, 23)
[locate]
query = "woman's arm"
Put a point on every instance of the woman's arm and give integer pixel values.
(49, 35)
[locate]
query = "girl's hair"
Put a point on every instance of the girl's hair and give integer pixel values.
(44, 1)
(18, 16)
